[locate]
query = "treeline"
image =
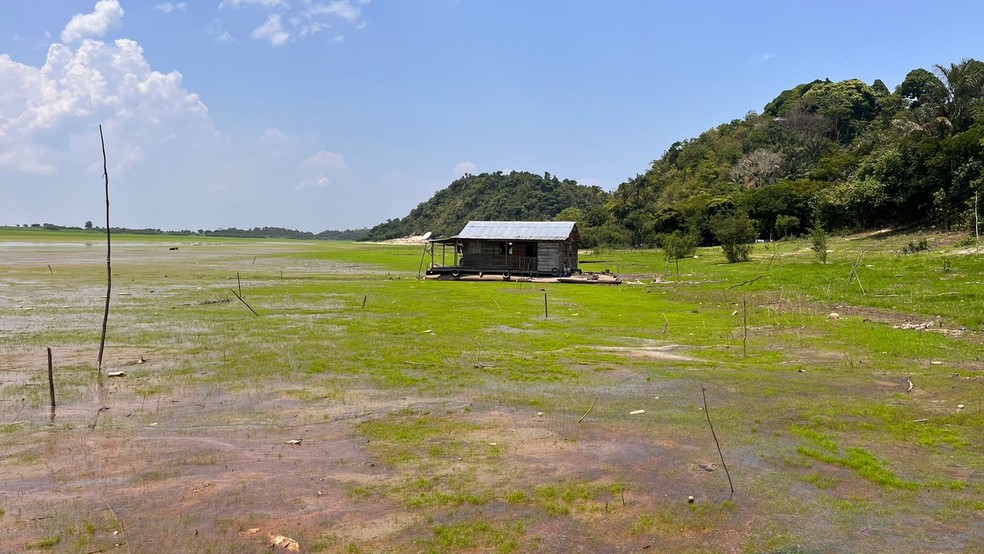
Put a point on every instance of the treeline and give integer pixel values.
(833, 155)
(255, 232)
(514, 196)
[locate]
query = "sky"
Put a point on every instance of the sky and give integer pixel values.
(338, 114)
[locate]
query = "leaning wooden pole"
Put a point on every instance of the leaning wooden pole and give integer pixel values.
(51, 381)
(703, 393)
(109, 266)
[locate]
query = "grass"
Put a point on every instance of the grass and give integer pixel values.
(420, 378)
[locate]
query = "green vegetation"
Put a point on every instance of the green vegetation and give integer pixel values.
(844, 155)
(514, 196)
(436, 415)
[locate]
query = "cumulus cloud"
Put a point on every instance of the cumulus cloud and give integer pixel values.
(324, 158)
(44, 109)
(106, 15)
(169, 7)
(272, 30)
(463, 168)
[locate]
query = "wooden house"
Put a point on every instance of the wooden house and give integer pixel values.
(531, 248)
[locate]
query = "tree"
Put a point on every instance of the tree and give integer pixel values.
(786, 225)
(818, 243)
(678, 245)
(921, 87)
(88, 225)
(735, 233)
(761, 167)
(964, 88)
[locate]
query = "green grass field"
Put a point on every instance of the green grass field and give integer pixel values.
(440, 416)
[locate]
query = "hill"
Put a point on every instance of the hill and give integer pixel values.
(837, 155)
(517, 195)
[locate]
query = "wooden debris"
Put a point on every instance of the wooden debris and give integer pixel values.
(589, 410)
(637, 412)
(295, 442)
(116, 374)
(287, 543)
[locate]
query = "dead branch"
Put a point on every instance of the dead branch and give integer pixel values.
(589, 411)
(95, 420)
(666, 322)
(445, 357)
(768, 265)
(854, 273)
(703, 393)
(748, 282)
(244, 302)
(109, 266)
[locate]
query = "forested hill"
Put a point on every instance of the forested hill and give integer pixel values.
(518, 195)
(839, 155)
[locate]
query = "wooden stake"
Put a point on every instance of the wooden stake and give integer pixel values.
(977, 224)
(365, 298)
(240, 284)
(545, 314)
(49, 269)
(244, 302)
(703, 393)
(51, 380)
(744, 321)
(109, 266)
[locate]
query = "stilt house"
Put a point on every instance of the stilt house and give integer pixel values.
(509, 247)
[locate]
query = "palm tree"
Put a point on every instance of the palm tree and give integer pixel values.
(964, 100)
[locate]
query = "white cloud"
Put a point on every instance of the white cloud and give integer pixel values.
(272, 30)
(169, 7)
(320, 181)
(237, 3)
(463, 168)
(44, 109)
(324, 158)
(339, 8)
(107, 14)
(299, 19)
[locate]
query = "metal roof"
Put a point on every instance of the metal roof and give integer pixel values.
(518, 230)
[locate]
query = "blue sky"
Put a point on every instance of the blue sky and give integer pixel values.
(333, 114)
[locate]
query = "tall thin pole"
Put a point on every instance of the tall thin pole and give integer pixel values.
(51, 381)
(109, 267)
(977, 224)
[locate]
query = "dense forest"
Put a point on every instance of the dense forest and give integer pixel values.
(514, 196)
(835, 155)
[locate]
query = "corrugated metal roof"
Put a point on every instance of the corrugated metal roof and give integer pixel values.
(517, 230)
